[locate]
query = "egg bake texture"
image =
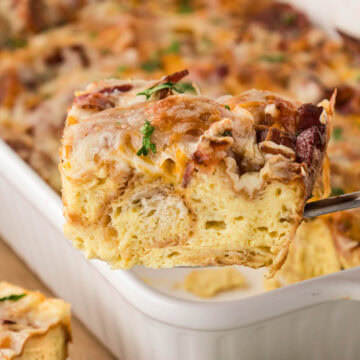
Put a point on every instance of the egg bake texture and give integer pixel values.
(155, 174)
(32, 327)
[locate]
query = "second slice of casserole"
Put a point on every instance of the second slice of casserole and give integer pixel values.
(155, 174)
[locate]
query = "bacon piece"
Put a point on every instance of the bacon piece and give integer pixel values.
(32, 14)
(57, 57)
(80, 50)
(121, 88)
(94, 101)
(308, 115)
(285, 116)
(54, 59)
(309, 144)
(352, 43)
(98, 100)
(190, 167)
(175, 77)
(10, 87)
(279, 137)
(348, 100)
(283, 18)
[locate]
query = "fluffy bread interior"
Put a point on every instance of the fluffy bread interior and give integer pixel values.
(155, 224)
(50, 346)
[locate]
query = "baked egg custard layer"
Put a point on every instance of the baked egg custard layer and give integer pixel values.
(154, 173)
(32, 327)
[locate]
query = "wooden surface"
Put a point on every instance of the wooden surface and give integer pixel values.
(84, 346)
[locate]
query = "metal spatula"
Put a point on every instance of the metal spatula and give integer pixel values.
(333, 204)
(322, 207)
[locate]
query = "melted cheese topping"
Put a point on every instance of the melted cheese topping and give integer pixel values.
(30, 316)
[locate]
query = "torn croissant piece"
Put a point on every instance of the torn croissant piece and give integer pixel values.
(155, 174)
(32, 326)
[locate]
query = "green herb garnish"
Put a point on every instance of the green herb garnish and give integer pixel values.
(151, 65)
(357, 78)
(180, 88)
(336, 191)
(12, 297)
(227, 107)
(289, 18)
(121, 68)
(106, 52)
(173, 48)
(187, 87)
(185, 7)
(15, 43)
(337, 133)
(273, 58)
(147, 145)
(93, 34)
(226, 133)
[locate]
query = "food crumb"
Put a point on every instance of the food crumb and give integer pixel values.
(208, 283)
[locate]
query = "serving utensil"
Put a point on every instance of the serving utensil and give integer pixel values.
(332, 204)
(322, 207)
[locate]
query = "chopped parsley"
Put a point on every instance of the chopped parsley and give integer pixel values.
(337, 133)
(12, 297)
(273, 58)
(147, 145)
(93, 34)
(187, 87)
(227, 107)
(185, 7)
(180, 88)
(226, 133)
(151, 65)
(154, 63)
(121, 68)
(173, 48)
(15, 43)
(106, 52)
(336, 191)
(357, 78)
(289, 18)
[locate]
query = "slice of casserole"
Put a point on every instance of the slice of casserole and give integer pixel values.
(155, 174)
(32, 327)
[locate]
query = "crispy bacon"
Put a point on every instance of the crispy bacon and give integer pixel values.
(352, 43)
(282, 18)
(275, 135)
(57, 57)
(121, 88)
(348, 100)
(190, 167)
(32, 14)
(308, 115)
(8, 322)
(10, 86)
(93, 101)
(98, 100)
(175, 77)
(308, 143)
(80, 50)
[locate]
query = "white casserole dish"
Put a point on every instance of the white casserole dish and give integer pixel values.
(315, 319)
